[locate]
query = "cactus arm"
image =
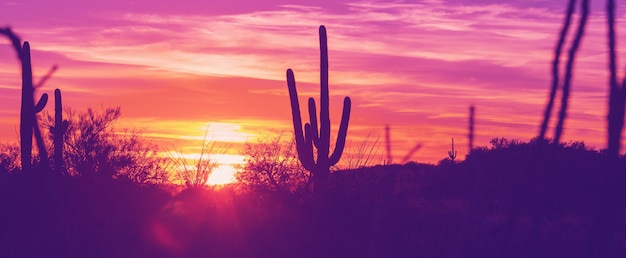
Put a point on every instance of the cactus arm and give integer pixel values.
(301, 143)
(308, 161)
(43, 152)
(313, 118)
(42, 103)
(46, 77)
(15, 41)
(343, 132)
(295, 109)
(58, 110)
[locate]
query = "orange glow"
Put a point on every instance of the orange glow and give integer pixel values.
(223, 174)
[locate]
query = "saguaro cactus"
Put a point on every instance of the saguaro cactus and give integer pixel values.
(558, 131)
(320, 169)
(28, 121)
(555, 69)
(452, 153)
(617, 96)
(58, 132)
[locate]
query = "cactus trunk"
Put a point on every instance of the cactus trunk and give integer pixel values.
(58, 133)
(617, 97)
(28, 118)
(27, 112)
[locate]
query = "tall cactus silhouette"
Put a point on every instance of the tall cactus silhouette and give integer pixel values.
(28, 120)
(58, 132)
(569, 69)
(452, 153)
(388, 144)
(305, 141)
(555, 69)
(617, 97)
(580, 31)
(470, 135)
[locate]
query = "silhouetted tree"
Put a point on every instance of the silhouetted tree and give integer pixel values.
(194, 176)
(9, 158)
(94, 148)
(499, 143)
(272, 164)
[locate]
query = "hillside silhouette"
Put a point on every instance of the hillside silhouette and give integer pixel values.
(478, 207)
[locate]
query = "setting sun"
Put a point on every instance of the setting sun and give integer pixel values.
(223, 174)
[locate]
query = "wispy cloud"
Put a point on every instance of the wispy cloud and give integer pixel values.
(410, 64)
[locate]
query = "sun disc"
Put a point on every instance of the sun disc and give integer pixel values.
(223, 174)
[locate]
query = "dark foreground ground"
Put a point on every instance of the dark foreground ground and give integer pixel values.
(506, 202)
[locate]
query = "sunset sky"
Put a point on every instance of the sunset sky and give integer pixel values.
(176, 67)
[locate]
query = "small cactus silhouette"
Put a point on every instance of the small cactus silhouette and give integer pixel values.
(311, 137)
(470, 135)
(388, 144)
(58, 132)
(452, 153)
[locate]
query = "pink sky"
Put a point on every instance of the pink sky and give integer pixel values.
(175, 67)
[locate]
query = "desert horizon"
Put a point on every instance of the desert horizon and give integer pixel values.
(439, 128)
